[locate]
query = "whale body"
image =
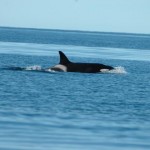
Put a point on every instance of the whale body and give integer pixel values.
(66, 65)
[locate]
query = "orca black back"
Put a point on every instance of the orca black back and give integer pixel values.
(66, 65)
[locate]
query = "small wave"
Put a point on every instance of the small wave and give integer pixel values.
(12, 68)
(36, 68)
(28, 68)
(117, 70)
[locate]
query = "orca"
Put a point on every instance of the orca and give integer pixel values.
(65, 65)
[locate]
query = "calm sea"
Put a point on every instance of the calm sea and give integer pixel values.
(74, 111)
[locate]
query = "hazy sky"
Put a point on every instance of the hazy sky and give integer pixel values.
(93, 15)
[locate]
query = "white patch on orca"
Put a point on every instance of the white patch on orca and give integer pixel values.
(104, 70)
(59, 67)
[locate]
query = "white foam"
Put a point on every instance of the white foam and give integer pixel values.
(117, 70)
(35, 67)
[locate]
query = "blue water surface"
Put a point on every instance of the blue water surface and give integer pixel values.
(59, 110)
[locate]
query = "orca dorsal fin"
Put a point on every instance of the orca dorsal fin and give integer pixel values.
(63, 58)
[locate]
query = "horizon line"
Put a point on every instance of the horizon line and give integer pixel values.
(74, 30)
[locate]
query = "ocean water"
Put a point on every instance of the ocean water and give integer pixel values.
(73, 111)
